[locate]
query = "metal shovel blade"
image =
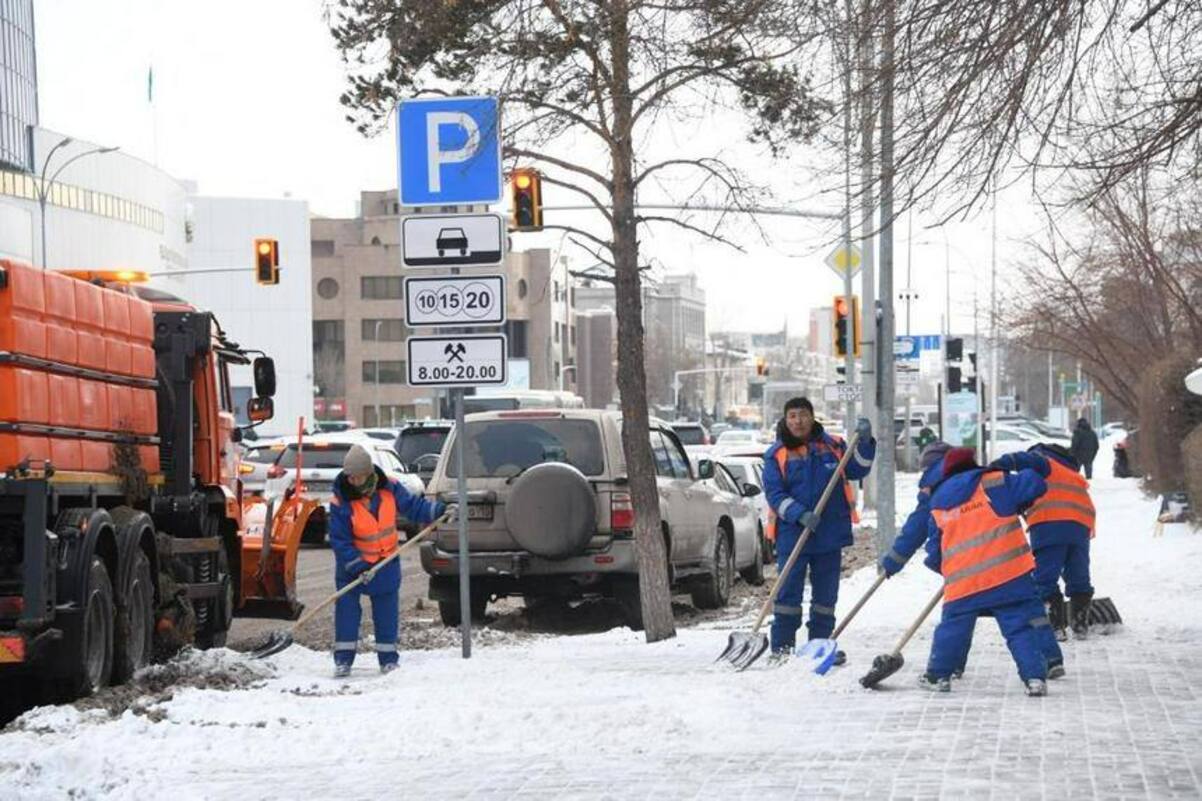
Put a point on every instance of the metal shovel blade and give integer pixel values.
(278, 641)
(883, 667)
(755, 647)
(819, 655)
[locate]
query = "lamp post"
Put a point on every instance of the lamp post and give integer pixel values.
(43, 186)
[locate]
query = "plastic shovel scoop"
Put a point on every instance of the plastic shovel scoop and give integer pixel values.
(886, 665)
(821, 654)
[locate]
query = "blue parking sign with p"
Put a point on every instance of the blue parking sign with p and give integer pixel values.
(449, 151)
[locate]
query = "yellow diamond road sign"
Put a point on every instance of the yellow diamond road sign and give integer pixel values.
(839, 258)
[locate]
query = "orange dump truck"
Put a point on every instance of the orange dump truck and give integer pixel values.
(121, 518)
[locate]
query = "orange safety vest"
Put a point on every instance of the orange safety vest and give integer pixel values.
(1067, 499)
(782, 460)
(375, 535)
(981, 549)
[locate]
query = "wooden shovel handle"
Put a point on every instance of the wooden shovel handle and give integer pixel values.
(931, 604)
(859, 605)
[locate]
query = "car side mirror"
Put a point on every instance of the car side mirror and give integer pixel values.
(260, 410)
(264, 371)
(705, 469)
(751, 490)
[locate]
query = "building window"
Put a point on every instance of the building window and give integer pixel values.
(380, 287)
(326, 331)
(390, 415)
(383, 331)
(572, 335)
(384, 372)
(557, 333)
(321, 248)
(516, 331)
(375, 241)
(521, 288)
(327, 288)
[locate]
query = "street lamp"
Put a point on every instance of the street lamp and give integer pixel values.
(44, 186)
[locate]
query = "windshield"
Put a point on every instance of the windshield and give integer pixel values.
(503, 448)
(416, 443)
(690, 435)
(317, 457)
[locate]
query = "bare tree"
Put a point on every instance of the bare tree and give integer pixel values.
(585, 85)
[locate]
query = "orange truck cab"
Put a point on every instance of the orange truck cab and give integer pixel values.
(120, 504)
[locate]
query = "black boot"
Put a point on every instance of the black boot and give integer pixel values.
(1057, 616)
(1079, 604)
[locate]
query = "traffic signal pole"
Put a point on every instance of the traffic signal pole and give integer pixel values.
(849, 358)
(886, 456)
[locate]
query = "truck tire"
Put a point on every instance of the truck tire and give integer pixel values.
(134, 642)
(221, 609)
(451, 612)
(90, 660)
(713, 591)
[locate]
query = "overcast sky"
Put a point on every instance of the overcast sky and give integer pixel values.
(246, 104)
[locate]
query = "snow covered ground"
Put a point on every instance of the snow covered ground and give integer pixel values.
(607, 716)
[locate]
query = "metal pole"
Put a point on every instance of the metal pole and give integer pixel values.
(886, 458)
(849, 358)
(465, 595)
(1051, 390)
(867, 226)
(993, 343)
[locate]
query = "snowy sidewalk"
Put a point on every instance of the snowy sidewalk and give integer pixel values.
(606, 716)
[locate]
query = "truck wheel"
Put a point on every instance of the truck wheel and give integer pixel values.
(753, 574)
(714, 590)
(91, 659)
(132, 646)
(221, 609)
(626, 593)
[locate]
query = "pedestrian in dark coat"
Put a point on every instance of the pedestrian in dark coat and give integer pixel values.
(1085, 446)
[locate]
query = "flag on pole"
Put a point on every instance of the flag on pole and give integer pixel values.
(150, 84)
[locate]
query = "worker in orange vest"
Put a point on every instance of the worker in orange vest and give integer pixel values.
(976, 540)
(1061, 524)
(363, 515)
(797, 469)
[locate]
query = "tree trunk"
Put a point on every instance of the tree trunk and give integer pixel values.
(632, 376)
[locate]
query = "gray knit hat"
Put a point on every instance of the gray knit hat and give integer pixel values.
(933, 453)
(357, 461)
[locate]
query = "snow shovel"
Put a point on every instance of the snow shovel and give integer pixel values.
(822, 653)
(280, 640)
(1103, 613)
(742, 648)
(886, 665)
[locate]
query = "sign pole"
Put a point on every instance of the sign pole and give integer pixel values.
(465, 595)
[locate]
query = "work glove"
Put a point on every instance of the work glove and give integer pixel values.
(1005, 463)
(810, 520)
(451, 510)
(358, 566)
(864, 428)
(889, 567)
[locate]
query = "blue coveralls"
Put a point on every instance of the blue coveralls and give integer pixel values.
(1015, 604)
(1061, 547)
(385, 588)
(790, 496)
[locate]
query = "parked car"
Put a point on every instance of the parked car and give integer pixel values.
(1012, 439)
(1111, 429)
(419, 445)
(321, 460)
(737, 440)
(694, 436)
(332, 426)
(1124, 456)
(550, 515)
(750, 470)
(255, 461)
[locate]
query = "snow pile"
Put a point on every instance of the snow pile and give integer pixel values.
(605, 715)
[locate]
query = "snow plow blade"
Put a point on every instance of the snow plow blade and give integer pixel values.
(268, 586)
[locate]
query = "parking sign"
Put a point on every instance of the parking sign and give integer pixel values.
(449, 151)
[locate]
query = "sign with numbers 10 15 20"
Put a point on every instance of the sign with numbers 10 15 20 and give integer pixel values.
(459, 300)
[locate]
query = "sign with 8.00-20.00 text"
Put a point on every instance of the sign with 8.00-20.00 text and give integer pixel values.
(469, 360)
(459, 300)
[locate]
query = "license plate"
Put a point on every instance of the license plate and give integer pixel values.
(319, 486)
(479, 511)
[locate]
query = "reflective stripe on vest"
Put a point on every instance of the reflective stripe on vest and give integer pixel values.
(981, 549)
(782, 460)
(1067, 500)
(375, 535)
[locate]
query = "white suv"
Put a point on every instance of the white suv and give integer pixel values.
(550, 515)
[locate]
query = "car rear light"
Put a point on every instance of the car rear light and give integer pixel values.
(12, 606)
(621, 512)
(439, 562)
(275, 471)
(604, 559)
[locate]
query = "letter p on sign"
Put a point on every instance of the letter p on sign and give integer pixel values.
(437, 157)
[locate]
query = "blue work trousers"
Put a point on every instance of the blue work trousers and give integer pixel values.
(823, 570)
(1070, 561)
(1024, 624)
(385, 593)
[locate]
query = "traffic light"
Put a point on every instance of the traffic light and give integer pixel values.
(955, 349)
(267, 262)
(970, 374)
(954, 383)
(847, 325)
(761, 366)
(526, 186)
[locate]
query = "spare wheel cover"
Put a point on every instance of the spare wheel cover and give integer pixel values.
(551, 510)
